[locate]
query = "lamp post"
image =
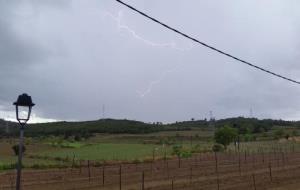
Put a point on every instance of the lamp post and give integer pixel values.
(23, 111)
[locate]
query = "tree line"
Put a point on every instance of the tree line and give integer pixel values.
(114, 126)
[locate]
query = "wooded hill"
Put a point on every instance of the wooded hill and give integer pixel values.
(114, 126)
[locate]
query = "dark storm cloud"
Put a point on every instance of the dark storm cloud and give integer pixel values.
(18, 53)
(15, 49)
(75, 56)
(15, 53)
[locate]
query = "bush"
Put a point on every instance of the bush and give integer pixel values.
(249, 137)
(287, 136)
(16, 149)
(295, 133)
(185, 153)
(136, 161)
(196, 148)
(226, 135)
(176, 150)
(279, 133)
(218, 148)
(7, 166)
(181, 152)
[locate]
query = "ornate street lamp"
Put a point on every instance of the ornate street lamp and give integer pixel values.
(23, 105)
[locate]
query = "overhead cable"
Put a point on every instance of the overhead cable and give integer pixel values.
(206, 45)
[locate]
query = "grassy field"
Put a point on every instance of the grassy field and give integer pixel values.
(47, 155)
(57, 152)
(110, 151)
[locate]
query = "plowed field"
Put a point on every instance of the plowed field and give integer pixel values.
(235, 171)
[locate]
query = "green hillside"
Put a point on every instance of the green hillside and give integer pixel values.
(115, 126)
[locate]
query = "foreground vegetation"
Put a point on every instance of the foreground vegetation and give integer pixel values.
(62, 144)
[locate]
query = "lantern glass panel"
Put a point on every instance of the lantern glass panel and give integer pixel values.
(23, 113)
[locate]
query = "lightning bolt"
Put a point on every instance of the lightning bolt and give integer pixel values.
(172, 45)
(118, 20)
(143, 93)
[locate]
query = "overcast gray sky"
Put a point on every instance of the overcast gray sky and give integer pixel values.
(73, 57)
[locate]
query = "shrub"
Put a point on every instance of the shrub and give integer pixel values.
(98, 163)
(279, 133)
(7, 166)
(77, 138)
(176, 149)
(179, 151)
(226, 135)
(218, 148)
(16, 149)
(249, 137)
(185, 153)
(287, 136)
(295, 133)
(196, 148)
(264, 134)
(136, 161)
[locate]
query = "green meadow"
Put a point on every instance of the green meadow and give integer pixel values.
(57, 151)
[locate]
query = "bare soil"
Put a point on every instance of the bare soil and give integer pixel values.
(224, 171)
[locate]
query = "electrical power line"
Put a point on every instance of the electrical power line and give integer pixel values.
(206, 45)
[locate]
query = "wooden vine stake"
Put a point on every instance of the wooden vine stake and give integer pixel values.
(254, 183)
(240, 163)
(217, 171)
(103, 175)
(143, 180)
(270, 172)
(89, 172)
(120, 177)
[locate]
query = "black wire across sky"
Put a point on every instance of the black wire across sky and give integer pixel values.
(206, 45)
